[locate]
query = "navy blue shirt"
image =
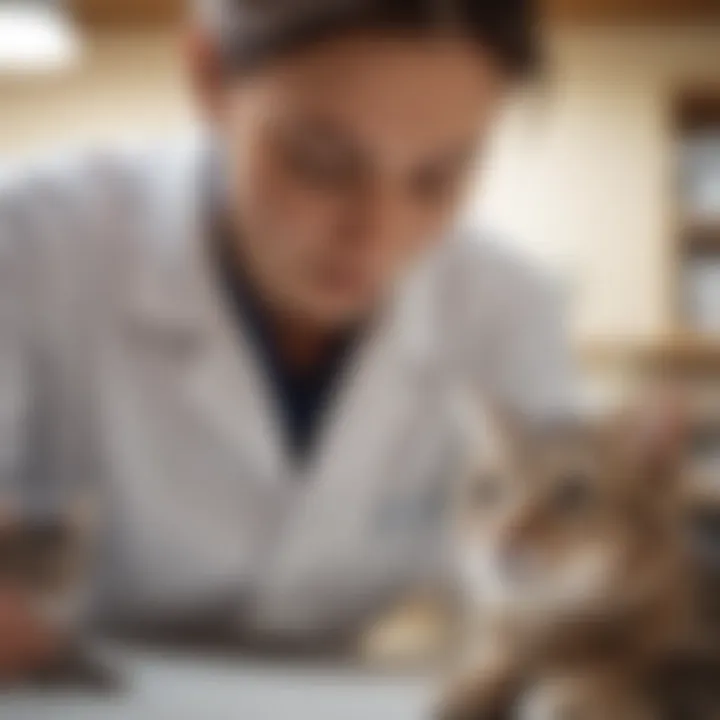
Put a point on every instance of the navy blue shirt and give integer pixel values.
(302, 395)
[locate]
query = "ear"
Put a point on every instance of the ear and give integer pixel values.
(205, 69)
(656, 439)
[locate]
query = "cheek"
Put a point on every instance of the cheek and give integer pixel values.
(432, 221)
(414, 239)
(477, 553)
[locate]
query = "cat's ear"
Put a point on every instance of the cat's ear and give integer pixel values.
(656, 436)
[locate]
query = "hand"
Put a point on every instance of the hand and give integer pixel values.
(414, 633)
(27, 645)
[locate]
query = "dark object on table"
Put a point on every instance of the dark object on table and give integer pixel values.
(43, 560)
(78, 668)
(222, 637)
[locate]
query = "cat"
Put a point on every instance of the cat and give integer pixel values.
(577, 582)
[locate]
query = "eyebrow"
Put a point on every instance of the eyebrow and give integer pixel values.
(320, 129)
(316, 128)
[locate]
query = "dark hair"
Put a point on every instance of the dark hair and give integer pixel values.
(250, 32)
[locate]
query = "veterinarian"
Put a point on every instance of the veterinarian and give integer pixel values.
(244, 348)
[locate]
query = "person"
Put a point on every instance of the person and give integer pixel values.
(248, 347)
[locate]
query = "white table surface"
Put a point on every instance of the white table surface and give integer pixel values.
(180, 687)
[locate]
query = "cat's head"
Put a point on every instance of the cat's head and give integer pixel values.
(564, 515)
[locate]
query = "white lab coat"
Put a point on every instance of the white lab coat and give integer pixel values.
(122, 370)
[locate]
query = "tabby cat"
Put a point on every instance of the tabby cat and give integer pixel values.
(577, 578)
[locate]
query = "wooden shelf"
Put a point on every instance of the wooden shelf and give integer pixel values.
(699, 226)
(153, 14)
(701, 493)
(632, 11)
(676, 353)
(699, 235)
(127, 14)
(699, 108)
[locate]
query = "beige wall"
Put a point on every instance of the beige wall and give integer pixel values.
(581, 176)
(126, 87)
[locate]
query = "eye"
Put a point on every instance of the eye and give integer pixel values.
(574, 493)
(322, 169)
(487, 491)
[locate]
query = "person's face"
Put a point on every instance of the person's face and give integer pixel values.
(349, 160)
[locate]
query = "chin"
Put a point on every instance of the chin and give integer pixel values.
(336, 314)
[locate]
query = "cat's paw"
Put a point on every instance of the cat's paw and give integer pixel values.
(584, 698)
(414, 633)
(469, 712)
(478, 699)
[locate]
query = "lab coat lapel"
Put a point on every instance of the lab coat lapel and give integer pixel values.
(179, 303)
(381, 392)
(375, 413)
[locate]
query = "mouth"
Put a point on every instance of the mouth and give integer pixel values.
(527, 586)
(340, 278)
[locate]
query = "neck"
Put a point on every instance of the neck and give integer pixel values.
(304, 345)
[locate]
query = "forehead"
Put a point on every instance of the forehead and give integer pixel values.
(415, 90)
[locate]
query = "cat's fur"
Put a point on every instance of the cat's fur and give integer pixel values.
(571, 548)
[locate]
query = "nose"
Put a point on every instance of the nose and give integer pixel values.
(380, 218)
(516, 561)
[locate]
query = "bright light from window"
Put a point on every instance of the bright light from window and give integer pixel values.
(35, 37)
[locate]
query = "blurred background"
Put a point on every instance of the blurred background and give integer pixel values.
(607, 171)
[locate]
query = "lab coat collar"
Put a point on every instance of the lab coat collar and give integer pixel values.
(172, 259)
(417, 321)
(175, 305)
(178, 300)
